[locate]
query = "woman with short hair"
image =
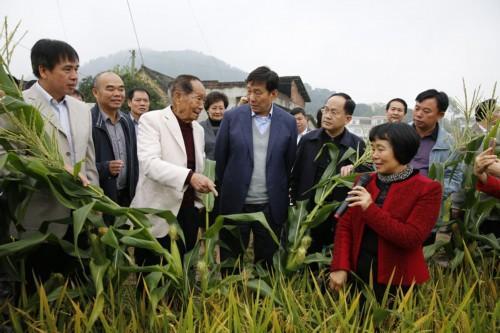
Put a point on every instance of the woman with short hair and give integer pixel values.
(215, 104)
(382, 232)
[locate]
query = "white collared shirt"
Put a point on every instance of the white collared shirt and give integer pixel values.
(263, 122)
(304, 132)
(62, 113)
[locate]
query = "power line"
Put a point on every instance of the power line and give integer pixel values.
(135, 33)
(200, 30)
(61, 20)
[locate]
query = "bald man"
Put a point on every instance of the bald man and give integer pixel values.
(114, 140)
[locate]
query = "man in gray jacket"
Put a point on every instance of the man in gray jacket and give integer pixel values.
(55, 64)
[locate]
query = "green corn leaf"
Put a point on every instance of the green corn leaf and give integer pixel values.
(296, 215)
(25, 244)
(248, 217)
(79, 218)
(264, 289)
(208, 199)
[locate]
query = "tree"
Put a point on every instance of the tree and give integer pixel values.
(130, 80)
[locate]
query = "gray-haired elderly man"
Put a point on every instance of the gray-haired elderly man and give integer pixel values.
(171, 158)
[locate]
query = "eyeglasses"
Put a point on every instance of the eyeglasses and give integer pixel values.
(326, 110)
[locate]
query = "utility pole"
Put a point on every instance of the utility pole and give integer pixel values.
(132, 62)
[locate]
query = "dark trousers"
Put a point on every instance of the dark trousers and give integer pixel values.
(322, 235)
(189, 220)
(50, 258)
(264, 246)
(123, 197)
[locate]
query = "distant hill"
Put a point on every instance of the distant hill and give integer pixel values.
(171, 63)
(206, 67)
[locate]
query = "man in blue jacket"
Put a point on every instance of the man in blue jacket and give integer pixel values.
(255, 151)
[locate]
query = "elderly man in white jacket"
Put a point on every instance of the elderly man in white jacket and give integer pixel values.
(170, 149)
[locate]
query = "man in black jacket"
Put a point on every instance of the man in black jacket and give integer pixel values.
(114, 140)
(307, 170)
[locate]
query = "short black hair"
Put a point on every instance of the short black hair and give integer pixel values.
(265, 75)
(319, 115)
(402, 137)
(296, 111)
(214, 97)
(49, 52)
(78, 93)
(182, 83)
(131, 92)
(440, 96)
(484, 108)
(349, 105)
(400, 100)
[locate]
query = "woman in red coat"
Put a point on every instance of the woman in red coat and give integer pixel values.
(383, 230)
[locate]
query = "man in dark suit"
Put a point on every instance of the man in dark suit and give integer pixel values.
(309, 167)
(254, 151)
(114, 140)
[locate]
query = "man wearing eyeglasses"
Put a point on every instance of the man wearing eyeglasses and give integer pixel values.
(308, 169)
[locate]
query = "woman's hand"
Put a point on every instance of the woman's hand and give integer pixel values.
(482, 162)
(359, 196)
(337, 280)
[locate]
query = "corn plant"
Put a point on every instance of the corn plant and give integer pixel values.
(476, 207)
(293, 255)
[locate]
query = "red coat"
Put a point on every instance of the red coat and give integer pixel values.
(492, 186)
(403, 223)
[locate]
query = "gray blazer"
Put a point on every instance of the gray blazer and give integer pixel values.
(43, 206)
(209, 139)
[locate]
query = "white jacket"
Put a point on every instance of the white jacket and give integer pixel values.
(163, 165)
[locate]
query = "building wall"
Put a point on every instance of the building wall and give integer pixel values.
(296, 97)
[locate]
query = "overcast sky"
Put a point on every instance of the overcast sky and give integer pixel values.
(373, 50)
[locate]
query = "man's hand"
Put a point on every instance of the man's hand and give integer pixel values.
(202, 184)
(85, 181)
(484, 161)
(115, 166)
(337, 280)
(346, 170)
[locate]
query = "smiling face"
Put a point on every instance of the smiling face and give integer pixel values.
(188, 106)
(109, 92)
(396, 112)
(216, 110)
(383, 158)
(61, 80)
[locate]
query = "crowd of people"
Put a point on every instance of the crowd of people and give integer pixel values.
(266, 159)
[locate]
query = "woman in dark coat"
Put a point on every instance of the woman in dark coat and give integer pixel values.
(215, 105)
(383, 230)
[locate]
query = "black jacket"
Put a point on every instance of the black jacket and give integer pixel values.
(104, 153)
(307, 172)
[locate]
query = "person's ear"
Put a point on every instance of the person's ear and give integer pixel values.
(348, 119)
(43, 71)
(274, 93)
